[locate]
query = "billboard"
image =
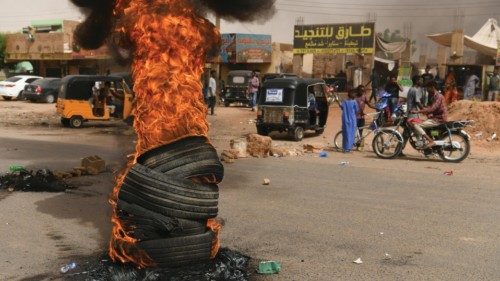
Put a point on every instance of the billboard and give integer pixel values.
(246, 48)
(334, 39)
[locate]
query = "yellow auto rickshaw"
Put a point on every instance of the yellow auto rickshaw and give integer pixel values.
(93, 98)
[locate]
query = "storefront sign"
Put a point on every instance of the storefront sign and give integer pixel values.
(334, 39)
(246, 48)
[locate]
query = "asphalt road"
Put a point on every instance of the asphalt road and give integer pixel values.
(316, 217)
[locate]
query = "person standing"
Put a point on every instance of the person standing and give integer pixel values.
(349, 122)
(427, 76)
(358, 77)
(362, 102)
(393, 88)
(494, 87)
(470, 86)
(212, 90)
(414, 98)
(375, 81)
(253, 89)
(450, 88)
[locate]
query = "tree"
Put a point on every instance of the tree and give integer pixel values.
(395, 36)
(3, 44)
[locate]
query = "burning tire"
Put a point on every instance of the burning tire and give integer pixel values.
(179, 251)
(146, 225)
(166, 199)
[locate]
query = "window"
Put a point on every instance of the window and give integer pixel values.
(238, 80)
(30, 80)
(13, 79)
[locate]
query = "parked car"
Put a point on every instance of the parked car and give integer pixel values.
(13, 87)
(43, 90)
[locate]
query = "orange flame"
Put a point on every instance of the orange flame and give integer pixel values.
(170, 40)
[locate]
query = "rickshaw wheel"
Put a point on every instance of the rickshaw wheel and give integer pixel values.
(297, 133)
(76, 122)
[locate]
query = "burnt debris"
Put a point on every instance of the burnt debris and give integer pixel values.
(228, 265)
(32, 181)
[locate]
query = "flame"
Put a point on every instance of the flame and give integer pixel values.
(170, 40)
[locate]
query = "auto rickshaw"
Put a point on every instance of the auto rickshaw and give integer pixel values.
(236, 87)
(88, 98)
(292, 105)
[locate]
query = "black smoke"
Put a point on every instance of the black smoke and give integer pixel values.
(98, 25)
(239, 10)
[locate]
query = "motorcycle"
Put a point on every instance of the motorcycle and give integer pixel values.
(452, 143)
(383, 106)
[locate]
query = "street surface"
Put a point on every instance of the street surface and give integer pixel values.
(404, 218)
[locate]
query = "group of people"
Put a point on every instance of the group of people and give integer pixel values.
(104, 95)
(421, 99)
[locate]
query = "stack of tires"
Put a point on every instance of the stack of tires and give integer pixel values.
(163, 204)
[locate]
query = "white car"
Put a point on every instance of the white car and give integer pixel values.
(14, 86)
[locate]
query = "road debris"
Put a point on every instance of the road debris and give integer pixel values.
(258, 146)
(68, 267)
(448, 173)
(269, 267)
(266, 182)
(344, 163)
(313, 148)
(94, 164)
(387, 256)
(323, 154)
(16, 168)
(29, 181)
(239, 145)
(229, 156)
(358, 261)
(227, 265)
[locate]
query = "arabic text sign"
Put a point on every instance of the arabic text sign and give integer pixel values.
(274, 95)
(334, 38)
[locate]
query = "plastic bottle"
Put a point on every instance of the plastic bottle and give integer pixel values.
(68, 267)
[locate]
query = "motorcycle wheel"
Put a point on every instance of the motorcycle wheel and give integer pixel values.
(456, 147)
(387, 144)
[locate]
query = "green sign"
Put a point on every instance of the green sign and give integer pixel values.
(334, 39)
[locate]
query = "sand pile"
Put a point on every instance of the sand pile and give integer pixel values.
(485, 114)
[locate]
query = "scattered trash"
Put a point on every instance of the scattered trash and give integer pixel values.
(323, 154)
(448, 173)
(358, 261)
(479, 135)
(266, 182)
(494, 136)
(16, 168)
(381, 233)
(227, 265)
(269, 267)
(387, 256)
(68, 267)
(39, 181)
(344, 163)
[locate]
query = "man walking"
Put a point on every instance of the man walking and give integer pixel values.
(253, 89)
(212, 89)
(375, 81)
(494, 87)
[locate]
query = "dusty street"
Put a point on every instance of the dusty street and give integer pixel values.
(404, 218)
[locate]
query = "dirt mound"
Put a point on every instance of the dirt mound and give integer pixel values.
(486, 116)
